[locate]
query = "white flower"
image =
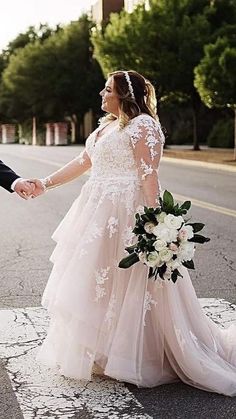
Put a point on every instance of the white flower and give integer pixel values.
(185, 233)
(162, 232)
(140, 209)
(142, 257)
(173, 222)
(160, 244)
(153, 259)
(167, 274)
(173, 264)
(165, 255)
(186, 251)
(160, 217)
(148, 227)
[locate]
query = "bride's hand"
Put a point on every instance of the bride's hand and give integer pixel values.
(39, 187)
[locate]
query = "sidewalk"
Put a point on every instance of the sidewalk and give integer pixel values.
(209, 155)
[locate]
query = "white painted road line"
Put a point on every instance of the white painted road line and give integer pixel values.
(42, 393)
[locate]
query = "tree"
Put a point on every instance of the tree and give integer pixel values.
(165, 43)
(215, 75)
(53, 79)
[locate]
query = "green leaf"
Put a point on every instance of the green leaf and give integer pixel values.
(198, 238)
(196, 226)
(128, 261)
(189, 264)
(130, 249)
(186, 205)
(168, 200)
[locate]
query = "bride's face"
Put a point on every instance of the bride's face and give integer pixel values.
(110, 101)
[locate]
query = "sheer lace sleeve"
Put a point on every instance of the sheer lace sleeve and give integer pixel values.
(147, 140)
(70, 171)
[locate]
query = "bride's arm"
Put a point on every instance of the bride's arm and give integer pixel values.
(70, 171)
(147, 141)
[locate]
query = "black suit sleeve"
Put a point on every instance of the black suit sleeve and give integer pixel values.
(7, 176)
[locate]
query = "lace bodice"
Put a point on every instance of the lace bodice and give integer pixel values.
(122, 155)
(118, 154)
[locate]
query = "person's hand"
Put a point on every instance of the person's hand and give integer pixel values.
(24, 188)
(39, 187)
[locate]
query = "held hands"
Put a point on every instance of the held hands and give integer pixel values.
(29, 188)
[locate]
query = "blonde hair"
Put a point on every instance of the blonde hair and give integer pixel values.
(133, 102)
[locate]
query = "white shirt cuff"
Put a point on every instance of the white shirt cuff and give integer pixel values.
(15, 182)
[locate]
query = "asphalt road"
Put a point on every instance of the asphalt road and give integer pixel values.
(25, 247)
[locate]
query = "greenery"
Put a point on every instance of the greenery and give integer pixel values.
(215, 75)
(154, 246)
(187, 48)
(222, 134)
(165, 43)
(54, 79)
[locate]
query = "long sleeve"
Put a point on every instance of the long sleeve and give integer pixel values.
(7, 176)
(71, 170)
(147, 140)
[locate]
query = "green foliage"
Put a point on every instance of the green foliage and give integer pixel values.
(215, 75)
(222, 134)
(54, 78)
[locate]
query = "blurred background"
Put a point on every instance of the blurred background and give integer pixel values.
(55, 56)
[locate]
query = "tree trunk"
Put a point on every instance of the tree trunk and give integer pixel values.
(195, 110)
(234, 133)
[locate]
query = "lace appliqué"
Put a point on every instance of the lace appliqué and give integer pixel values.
(100, 277)
(154, 134)
(110, 314)
(112, 226)
(93, 233)
(148, 302)
(128, 236)
(80, 159)
(147, 170)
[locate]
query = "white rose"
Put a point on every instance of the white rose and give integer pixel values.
(186, 251)
(173, 264)
(159, 244)
(148, 227)
(185, 233)
(153, 259)
(160, 217)
(142, 257)
(165, 255)
(162, 232)
(140, 210)
(167, 274)
(173, 222)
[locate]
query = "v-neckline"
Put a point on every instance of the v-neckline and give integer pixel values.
(97, 139)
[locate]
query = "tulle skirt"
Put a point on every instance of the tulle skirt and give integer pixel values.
(134, 329)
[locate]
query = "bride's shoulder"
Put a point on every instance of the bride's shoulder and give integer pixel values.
(143, 120)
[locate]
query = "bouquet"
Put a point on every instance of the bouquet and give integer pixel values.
(165, 240)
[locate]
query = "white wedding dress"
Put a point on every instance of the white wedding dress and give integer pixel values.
(136, 330)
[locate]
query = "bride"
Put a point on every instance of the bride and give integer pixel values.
(118, 321)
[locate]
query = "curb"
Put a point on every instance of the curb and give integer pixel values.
(199, 163)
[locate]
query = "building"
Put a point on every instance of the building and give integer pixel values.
(102, 9)
(130, 5)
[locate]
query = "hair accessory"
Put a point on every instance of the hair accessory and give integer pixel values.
(131, 90)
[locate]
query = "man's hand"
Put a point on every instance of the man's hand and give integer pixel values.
(24, 188)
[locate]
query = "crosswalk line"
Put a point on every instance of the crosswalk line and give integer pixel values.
(41, 393)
